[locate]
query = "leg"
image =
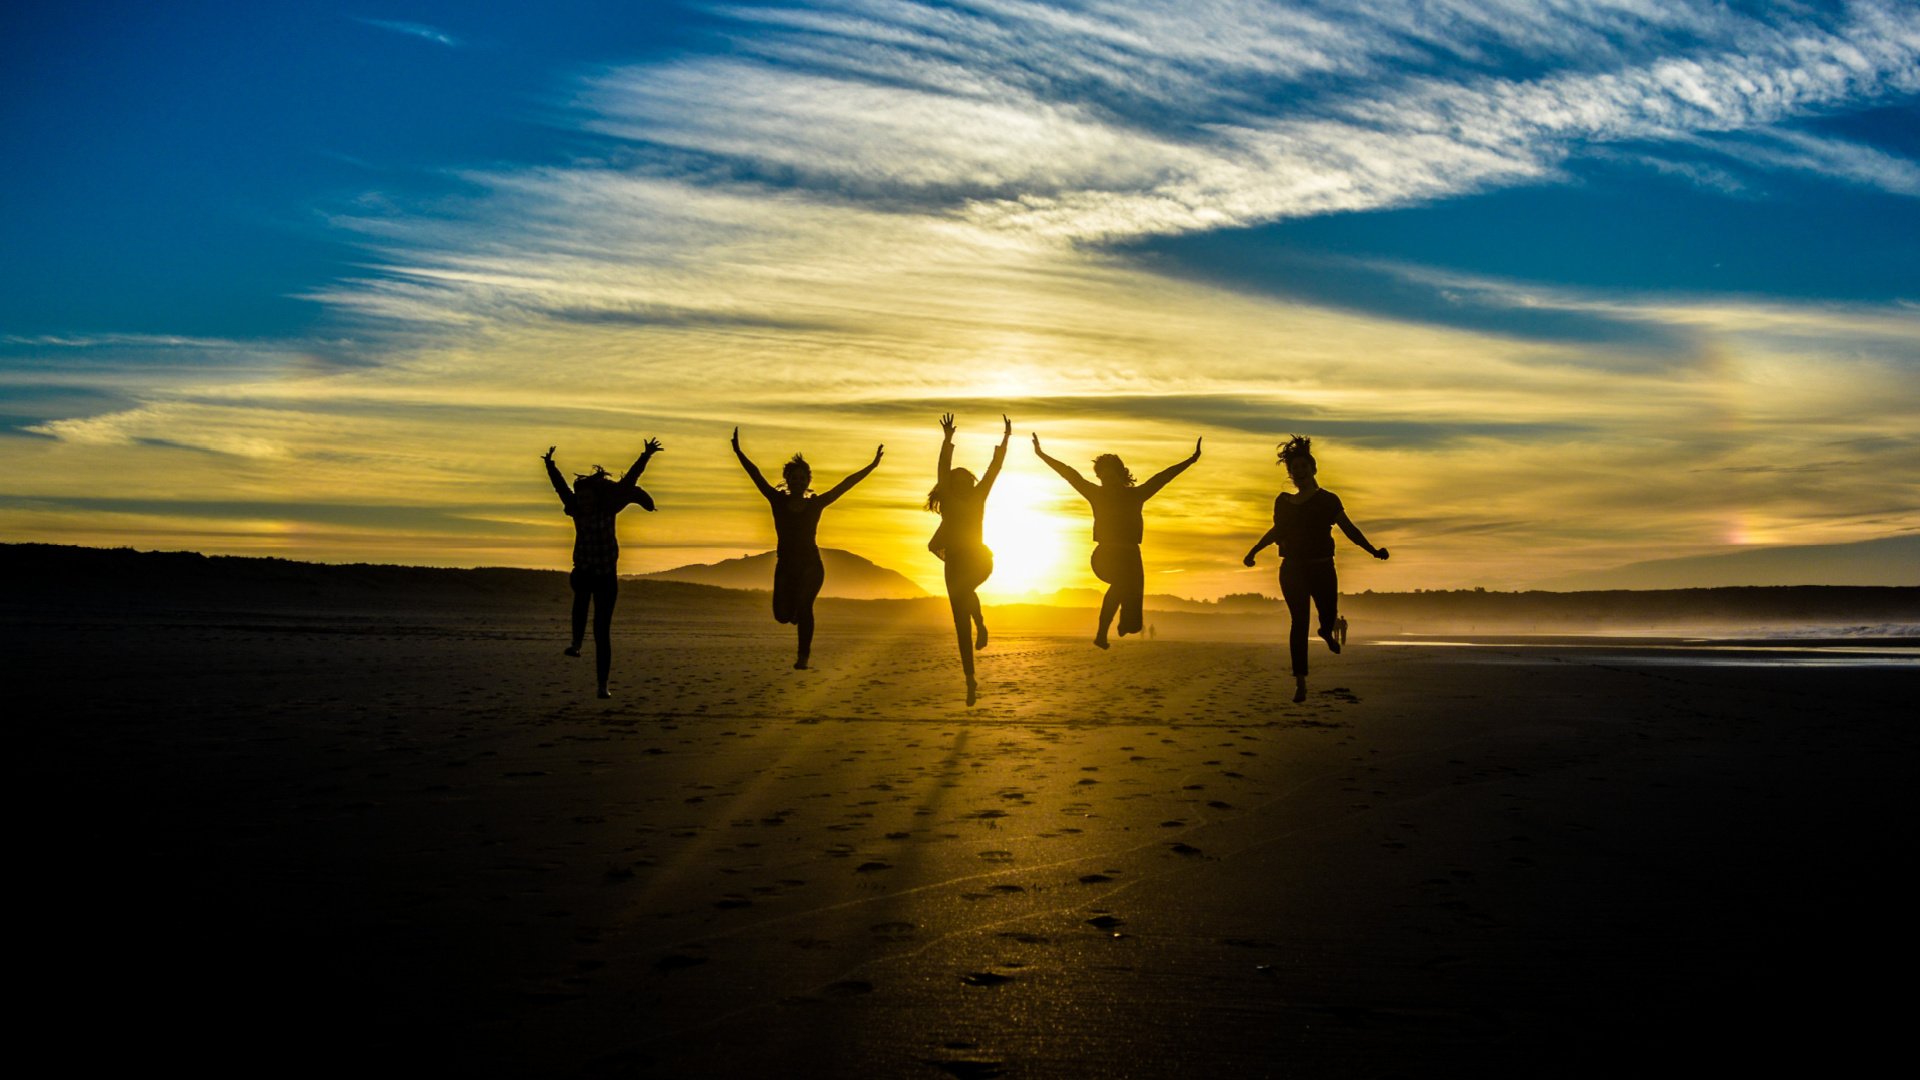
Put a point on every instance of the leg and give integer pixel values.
(1132, 588)
(1110, 602)
(582, 593)
(604, 595)
(1293, 587)
(807, 589)
(1326, 597)
(962, 615)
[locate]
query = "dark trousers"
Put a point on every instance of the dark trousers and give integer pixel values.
(601, 589)
(1303, 581)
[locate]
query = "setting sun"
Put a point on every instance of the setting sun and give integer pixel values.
(1033, 546)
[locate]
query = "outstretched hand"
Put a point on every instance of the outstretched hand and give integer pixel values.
(653, 446)
(946, 424)
(1006, 430)
(1036, 445)
(877, 451)
(1196, 451)
(1249, 560)
(1380, 553)
(548, 456)
(736, 437)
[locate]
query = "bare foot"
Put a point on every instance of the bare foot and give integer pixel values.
(980, 637)
(799, 665)
(973, 691)
(604, 693)
(572, 650)
(1299, 691)
(1326, 635)
(1101, 641)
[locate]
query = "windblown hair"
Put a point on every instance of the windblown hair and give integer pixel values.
(599, 473)
(940, 489)
(790, 474)
(1298, 448)
(1111, 463)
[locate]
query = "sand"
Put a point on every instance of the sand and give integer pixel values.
(279, 844)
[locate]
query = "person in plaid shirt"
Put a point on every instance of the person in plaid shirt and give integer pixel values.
(593, 501)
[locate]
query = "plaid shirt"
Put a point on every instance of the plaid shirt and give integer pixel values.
(596, 546)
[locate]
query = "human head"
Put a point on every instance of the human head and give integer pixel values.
(1297, 455)
(958, 482)
(797, 474)
(1112, 471)
(589, 487)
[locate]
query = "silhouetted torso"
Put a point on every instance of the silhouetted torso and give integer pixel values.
(596, 543)
(796, 526)
(1116, 514)
(1306, 526)
(961, 520)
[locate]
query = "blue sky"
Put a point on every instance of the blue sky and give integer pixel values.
(263, 265)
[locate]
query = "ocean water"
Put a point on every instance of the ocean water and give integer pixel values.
(1822, 647)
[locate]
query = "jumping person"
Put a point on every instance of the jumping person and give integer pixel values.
(961, 503)
(1117, 530)
(1303, 528)
(797, 570)
(593, 501)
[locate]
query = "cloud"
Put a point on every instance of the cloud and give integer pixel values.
(413, 29)
(865, 213)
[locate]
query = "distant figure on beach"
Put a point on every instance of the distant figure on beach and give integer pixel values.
(593, 501)
(961, 503)
(1118, 528)
(1303, 529)
(797, 570)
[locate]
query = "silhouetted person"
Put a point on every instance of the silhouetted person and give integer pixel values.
(1117, 531)
(961, 504)
(1303, 528)
(797, 570)
(593, 501)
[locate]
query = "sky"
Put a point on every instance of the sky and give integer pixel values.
(1554, 286)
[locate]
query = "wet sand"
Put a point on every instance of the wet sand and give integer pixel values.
(283, 844)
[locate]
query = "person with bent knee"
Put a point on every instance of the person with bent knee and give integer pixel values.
(1303, 522)
(593, 500)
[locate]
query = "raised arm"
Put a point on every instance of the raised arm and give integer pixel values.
(640, 463)
(1353, 533)
(1160, 479)
(999, 458)
(946, 449)
(559, 482)
(1067, 472)
(846, 485)
(753, 471)
(629, 486)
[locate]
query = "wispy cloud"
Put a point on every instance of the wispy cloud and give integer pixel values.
(866, 210)
(413, 29)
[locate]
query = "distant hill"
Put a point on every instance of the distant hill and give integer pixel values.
(849, 576)
(1893, 560)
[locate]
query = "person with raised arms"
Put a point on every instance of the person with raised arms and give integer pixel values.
(961, 502)
(593, 501)
(798, 572)
(1118, 527)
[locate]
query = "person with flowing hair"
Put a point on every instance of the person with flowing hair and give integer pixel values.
(1118, 528)
(798, 572)
(961, 502)
(593, 500)
(1303, 524)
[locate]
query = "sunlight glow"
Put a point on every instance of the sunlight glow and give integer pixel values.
(1033, 547)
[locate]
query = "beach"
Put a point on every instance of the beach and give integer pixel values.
(272, 841)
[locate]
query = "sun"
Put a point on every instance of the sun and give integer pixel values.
(1033, 547)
